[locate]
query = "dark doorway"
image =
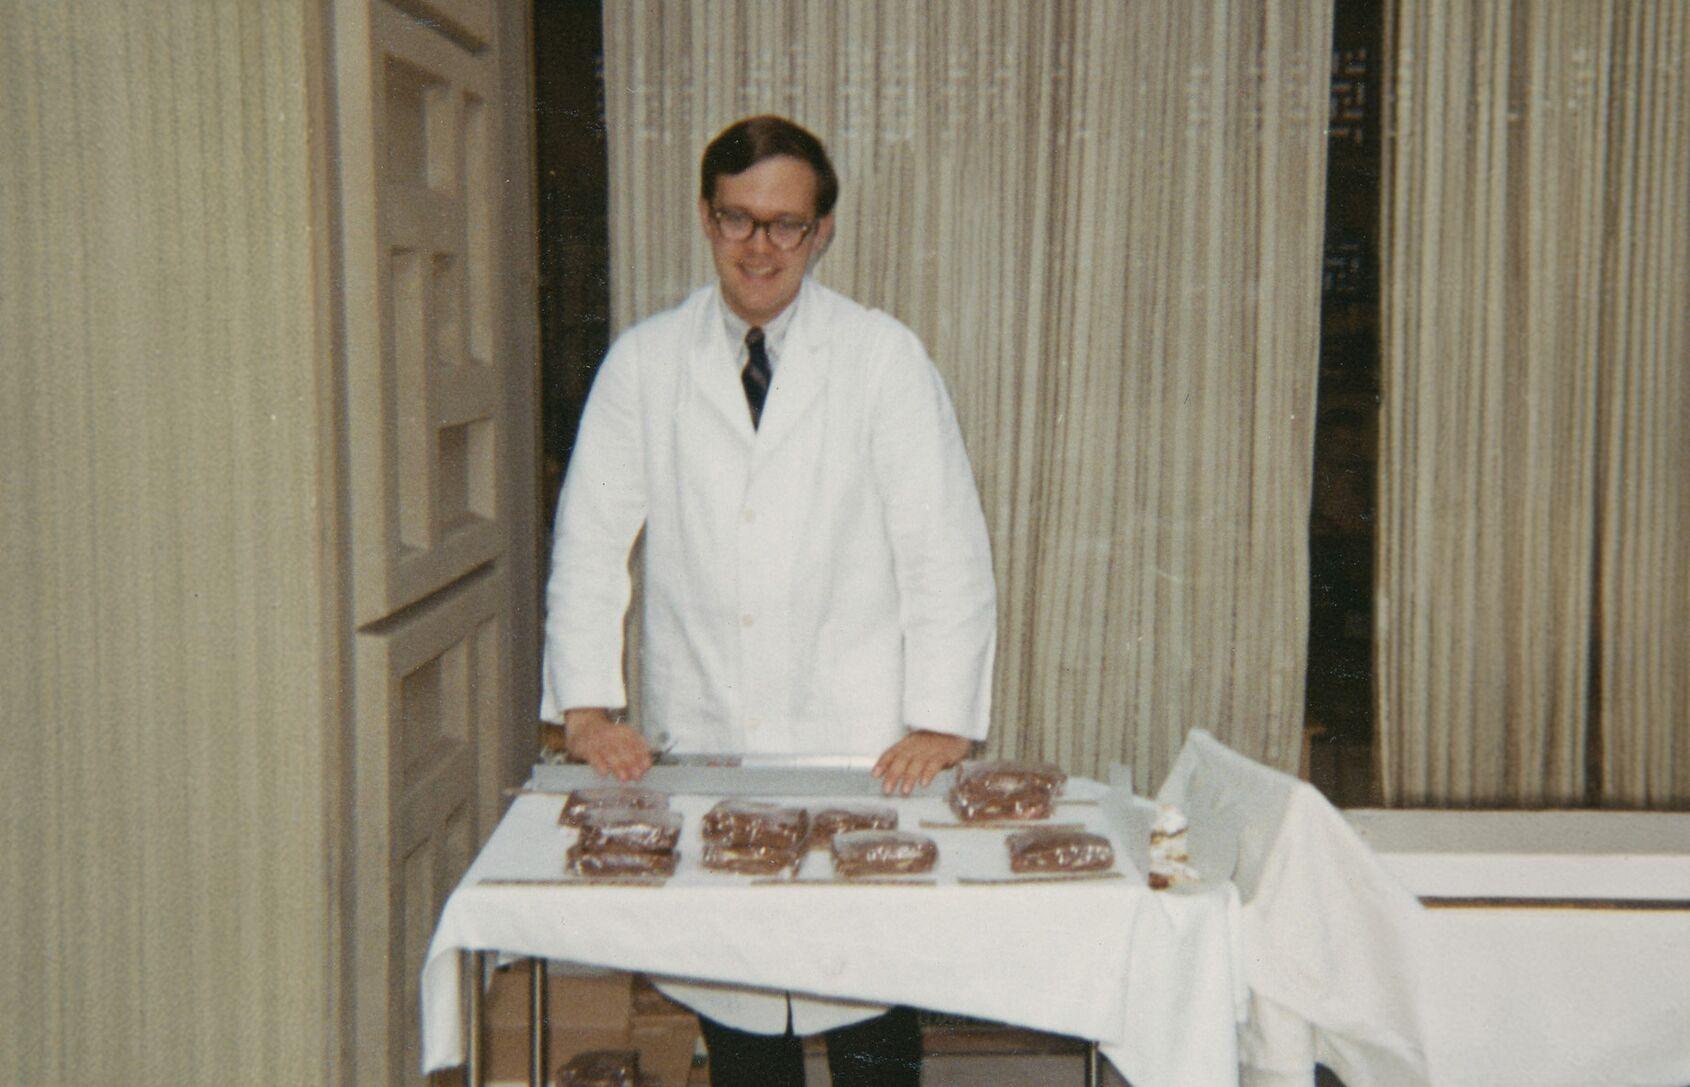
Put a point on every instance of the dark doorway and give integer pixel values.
(572, 157)
(1344, 502)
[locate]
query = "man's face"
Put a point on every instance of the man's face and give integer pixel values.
(759, 280)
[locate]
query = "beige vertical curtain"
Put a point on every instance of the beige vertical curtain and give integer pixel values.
(171, 780)
(1643, 574)
(1524, 212)
(1103, 219)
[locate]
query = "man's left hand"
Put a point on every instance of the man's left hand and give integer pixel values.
(917, 758)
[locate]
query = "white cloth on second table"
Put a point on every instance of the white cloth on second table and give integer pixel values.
(1332, 944)
(1560, 997)
(1149, 975)
(1551, 997)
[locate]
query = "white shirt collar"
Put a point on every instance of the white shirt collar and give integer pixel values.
(774, 333)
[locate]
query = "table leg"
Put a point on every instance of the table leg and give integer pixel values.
(1094, 1066)
(475, 1070)
(538, 1027)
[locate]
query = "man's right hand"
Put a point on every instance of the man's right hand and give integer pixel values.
(611, 748)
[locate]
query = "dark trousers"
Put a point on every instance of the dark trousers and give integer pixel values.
(881, 1052)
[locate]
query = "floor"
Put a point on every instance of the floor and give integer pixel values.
(968, 1053)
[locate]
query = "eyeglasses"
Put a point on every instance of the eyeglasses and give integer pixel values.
(783, 233)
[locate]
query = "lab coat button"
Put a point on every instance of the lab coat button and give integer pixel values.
(746, 620)
(749, 516)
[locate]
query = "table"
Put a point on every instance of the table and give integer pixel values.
(1150, 976)
(1558, 941)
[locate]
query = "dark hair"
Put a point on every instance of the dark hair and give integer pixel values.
(744, 144)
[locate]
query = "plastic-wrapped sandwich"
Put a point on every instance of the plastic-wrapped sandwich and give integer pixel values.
(751, 860)
(1005, 790)
(753, 822)
(604, 1068)
(626, 830)
(1059, 851)
(827, 822)
(626, 865)
(625, 842)
(754, 838)
(600, 797)
(882, 853)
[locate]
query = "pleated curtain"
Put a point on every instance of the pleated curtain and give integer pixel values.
(1104, 221)
(1642, 653)
(1532, 591)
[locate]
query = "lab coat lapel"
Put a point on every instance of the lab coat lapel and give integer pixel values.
(714, 377)
(800, 373)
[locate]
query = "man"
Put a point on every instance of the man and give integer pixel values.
(817, 579)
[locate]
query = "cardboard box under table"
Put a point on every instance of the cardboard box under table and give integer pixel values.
(587, 1011)
(1150, 976)
(665, 1034)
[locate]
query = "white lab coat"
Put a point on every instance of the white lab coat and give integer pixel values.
(817, 586)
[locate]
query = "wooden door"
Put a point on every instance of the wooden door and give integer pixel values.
(437, 449)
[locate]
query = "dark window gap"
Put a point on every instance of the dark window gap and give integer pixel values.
(1344, 503)
(572, 157)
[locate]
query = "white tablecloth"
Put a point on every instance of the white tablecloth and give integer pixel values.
(1148, 975)
(1561, 993)
(1331, 943)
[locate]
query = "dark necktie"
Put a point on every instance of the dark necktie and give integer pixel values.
(756, 375)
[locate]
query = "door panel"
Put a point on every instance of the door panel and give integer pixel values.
(434, 336)
(425, 392)
(471, 21)
(429, 687)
